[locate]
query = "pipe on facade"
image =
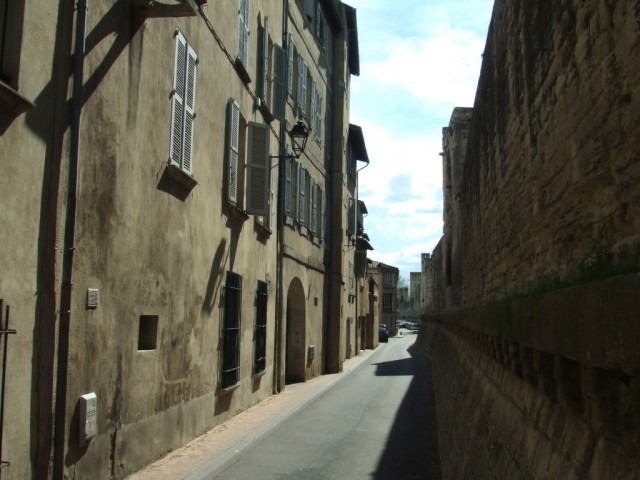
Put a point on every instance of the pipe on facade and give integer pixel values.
(69, 243)
(277, 361)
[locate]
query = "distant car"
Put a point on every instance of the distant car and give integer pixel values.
(383, 334)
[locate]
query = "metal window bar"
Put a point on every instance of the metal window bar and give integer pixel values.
(260, 359)
(5, 331)
(231, 334)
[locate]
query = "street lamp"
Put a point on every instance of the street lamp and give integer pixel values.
(299, 134)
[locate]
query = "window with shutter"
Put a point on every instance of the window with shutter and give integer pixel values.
(234, 151)
(279, 93)
(260, 354)
(259, 172)
(301, 193)
(318, 116)
(291, 61)
(323, 217)
(288, 180)
(243, 32)
(302, 85)
(351, 217)
(231, 330)
(312, 109)
(313, 206)
(265, 64)
(183, 105)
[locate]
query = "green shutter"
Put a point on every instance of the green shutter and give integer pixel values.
(258, 180)
(279, 96)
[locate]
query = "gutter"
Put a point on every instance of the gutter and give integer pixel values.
(69, 244)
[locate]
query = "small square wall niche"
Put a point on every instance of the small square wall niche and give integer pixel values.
(148, 332)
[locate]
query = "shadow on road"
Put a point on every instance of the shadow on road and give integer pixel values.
(411, 451)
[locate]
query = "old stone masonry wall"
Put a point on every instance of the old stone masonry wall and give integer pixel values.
(535, 361)
(552, 176)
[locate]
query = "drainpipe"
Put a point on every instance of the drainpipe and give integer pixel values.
(365, 266)
(69, 243)
(277, 361)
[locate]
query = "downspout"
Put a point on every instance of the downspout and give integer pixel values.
(359, 334)
(277, 361)
(69, 244)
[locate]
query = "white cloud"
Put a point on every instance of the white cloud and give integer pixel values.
(418, 60)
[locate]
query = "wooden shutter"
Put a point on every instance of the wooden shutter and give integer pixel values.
(190, 110)
(313, 210)
(234, 151)
(302, 84)
(290, 60)
(288, 180)
(301, 188)
(312, 110)
(279, 94)
(264, 81)
(318, 116)
(243, 33)
(177, 101)
(259, 170)
(351, 219)
(323, 216)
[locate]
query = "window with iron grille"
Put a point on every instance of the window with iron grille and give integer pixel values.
(231, 330)
(387, 302)
(260, 358)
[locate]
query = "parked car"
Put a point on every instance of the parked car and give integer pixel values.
(383, 334)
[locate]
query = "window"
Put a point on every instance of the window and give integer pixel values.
(291, 55)
(231, 330)
(235, 143)
(11, 21)
(323, 216)
(265, 64)
(243, 33)
(320, 27)
(259, 173)
(289, 169)
(302, 85)
(317, 114)
(352, 279)
(387, 302)
(147, 332)
(279, 79)
(351, 217)
(260, 357)
(387, 279)
(313, 206)
(301, 193)
(183, 105)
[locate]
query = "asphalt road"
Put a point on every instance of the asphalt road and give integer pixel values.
(378, 422)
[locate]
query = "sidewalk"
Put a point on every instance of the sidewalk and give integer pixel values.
(195, 458)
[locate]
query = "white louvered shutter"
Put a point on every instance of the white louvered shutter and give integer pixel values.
(288, 180)
(265, 61)
(312, 110)
(323, 216)
(301, 188)
(290, 60)
(190, 110)
(243, 32)
(177, 101)
(259, 172)
(313, 213)
(234, 151)
(318, 116)
(279, 93)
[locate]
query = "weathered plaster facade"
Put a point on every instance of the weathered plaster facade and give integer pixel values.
(132, 262)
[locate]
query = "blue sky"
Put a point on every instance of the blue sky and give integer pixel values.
(418, 60)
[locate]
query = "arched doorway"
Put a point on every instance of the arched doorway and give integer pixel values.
(296, 333)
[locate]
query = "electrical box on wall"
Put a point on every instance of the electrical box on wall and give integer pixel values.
(88, 406)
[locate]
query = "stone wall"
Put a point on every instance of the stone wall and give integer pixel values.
(545, 386)
(534, 351)
(553, 167)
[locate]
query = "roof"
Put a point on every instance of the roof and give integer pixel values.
(356, 138)
(352, 32)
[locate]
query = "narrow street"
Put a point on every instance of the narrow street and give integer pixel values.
(370, 424)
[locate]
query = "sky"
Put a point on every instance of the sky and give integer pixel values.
(419, 59)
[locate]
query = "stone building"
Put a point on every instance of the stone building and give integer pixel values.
(417, 300)
(535, 279)
(168, 255)
(385, 277)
